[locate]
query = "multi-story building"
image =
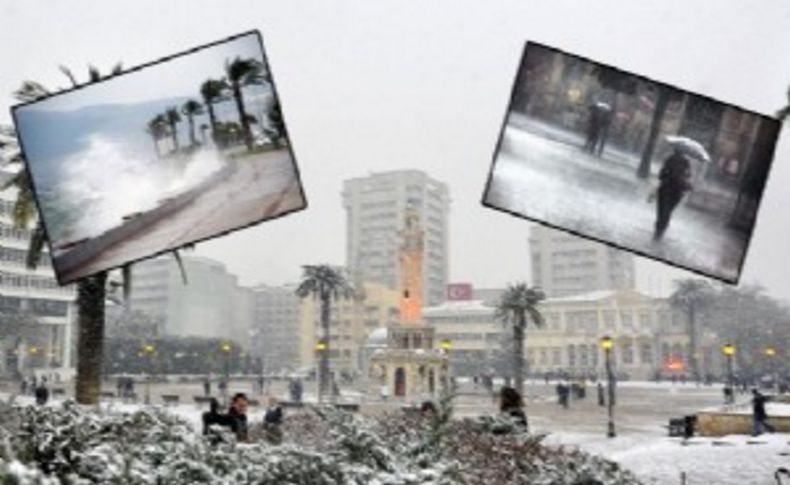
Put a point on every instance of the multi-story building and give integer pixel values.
(209, 304)
(649, 337)
(565, 265)
(38, 313)
(276, 332)
(351, 322)
(375, 208)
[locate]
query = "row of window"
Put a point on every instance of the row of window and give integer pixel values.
(36, 306)
(19, 256)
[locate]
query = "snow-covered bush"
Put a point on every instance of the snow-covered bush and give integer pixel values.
(70, 444)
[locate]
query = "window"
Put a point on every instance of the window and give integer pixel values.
(556, 356)
(646, 354)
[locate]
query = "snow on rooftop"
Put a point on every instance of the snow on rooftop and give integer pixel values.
(458, 306)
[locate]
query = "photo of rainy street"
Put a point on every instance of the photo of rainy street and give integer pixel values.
(638, 164)
(159, 158)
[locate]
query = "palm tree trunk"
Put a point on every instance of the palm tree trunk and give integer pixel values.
(90, 341)
(174, 131)
(245, 123)
(655, 126)
(192, 138)
(323, 369)
(212, 119)
(518, 354)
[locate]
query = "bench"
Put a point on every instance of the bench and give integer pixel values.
(202, 399)
(58, 391)
(107, 395)
(348, 406)
(169, 399)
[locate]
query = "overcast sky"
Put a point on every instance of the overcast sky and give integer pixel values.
(376, 86)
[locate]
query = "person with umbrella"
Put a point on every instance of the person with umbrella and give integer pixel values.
(675, 180)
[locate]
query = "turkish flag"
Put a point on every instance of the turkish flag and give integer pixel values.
(459, 291)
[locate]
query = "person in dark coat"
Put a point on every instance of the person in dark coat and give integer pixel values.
(675, 181)
(601, 394)
(272, 421)
(41, 393)
(207, 386)
(511, 404)
(759, 415)
(237, 415)
(604, 121)
(593, 128)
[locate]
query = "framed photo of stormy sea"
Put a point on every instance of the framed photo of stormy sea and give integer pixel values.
(631, 162)
(160, 156)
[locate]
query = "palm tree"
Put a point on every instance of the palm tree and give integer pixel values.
(173, 118)
(784, 113)
(90, 290)
(190, 109)
(518, 306)
(692, 296)
(325, 283)
(157, 128)
(213, 91)
(244, 72)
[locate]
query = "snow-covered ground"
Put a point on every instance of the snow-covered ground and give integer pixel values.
(554, 181)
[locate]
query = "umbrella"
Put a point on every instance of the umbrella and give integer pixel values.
(690, 147)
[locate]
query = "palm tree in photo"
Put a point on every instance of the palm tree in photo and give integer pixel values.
(326, 284)
(213, 91)
(190, 109)
(243, 72)
(691, 296)
(173, 117)
(157, 128)
(518, 306)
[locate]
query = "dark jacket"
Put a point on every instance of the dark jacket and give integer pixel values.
(273, 416)
(238, 424)
(42, 395)
(758, 407)
(675, 175)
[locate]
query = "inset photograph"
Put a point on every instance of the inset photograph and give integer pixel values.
(158, 157)
(632, 162)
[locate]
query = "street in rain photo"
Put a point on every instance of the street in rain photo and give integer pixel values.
(632, 162)
(160, 157)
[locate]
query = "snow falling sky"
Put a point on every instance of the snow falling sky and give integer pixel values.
(376, 86)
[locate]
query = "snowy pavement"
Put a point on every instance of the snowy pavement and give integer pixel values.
(556, 182)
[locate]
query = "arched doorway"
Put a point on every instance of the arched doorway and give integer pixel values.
(400, 382)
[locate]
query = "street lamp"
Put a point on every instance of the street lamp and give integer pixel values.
(148, 351)
(446, 345)
(320, 373)
(226, 350)
(770, 354)
(607, 344)
(729, 352)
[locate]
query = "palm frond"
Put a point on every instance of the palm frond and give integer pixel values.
(30, 91)
(25, 206)
(67, 72)
(93, 74)
(180, 263)
(117, 68)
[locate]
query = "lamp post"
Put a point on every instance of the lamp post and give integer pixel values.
(607, 344)
(729, 352)
(226, 350)
(770, 355)
(320, 348)
(447, 346)
(148, 352)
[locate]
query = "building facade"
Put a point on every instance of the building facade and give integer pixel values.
(210, 304)
(649, 337)
(375, 208)
(37, 314)
(565, 265)
(276, 327)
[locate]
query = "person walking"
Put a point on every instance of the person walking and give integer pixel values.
(759, 415)
(674, 182)
(593, 128)
(207, 386)
(601, 394)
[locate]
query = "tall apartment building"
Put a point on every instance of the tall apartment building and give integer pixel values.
(375, 208)
(565, 265)
(210, 304)
(34, 299)
(275, 331)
